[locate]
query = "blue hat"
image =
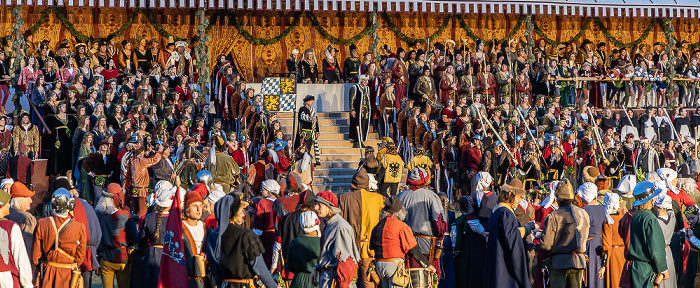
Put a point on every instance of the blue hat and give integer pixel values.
(518, 138)
(280, 144)
(644, 192)
(270, 145)
(498, 143)
(477, 137)
(242, 138)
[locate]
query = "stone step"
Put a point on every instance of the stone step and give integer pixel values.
(333, 187)
(347, 178)
(337, 164)
(330, 143)
(341, 136)
(325, 129)
(321, 121)
(290, 115)
(320, 172)
(339, 157)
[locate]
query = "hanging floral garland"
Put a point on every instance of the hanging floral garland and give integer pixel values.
(691, 46)
(671, 101)
(154, 22)
(619, 43)
(370, 28)
(264, 41)
(410, 40)
(475, 37)
(85, 39)
(553, 42)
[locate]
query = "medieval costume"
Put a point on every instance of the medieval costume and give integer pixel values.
(360, 105)
(478, 210)
(360, 208)
(61, 256)
(506, 261)
(61, 149)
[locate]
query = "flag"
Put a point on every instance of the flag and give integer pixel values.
(279, 94)
(173, 268)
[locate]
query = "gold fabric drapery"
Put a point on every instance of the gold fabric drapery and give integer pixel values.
(259, 61)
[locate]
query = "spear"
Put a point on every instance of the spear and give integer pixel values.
(496, 133)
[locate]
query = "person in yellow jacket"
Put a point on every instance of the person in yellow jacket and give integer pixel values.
(383, 147)
(421, 160)
(391, 169)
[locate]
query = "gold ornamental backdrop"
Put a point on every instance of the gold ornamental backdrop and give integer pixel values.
(259, 61)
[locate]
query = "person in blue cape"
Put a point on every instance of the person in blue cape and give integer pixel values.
(506, 259)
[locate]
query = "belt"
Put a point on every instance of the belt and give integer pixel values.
(195, 277)
(589, 239)
(62, 265)
(270, 230)
(424, 237)
(618, 246)
(400, 262)
(157, 246)
(241, 281)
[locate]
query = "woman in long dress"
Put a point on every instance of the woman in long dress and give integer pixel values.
(613, 243)
(667, 221)
(587, 194)
(478, 210)
(62, 126)
(303, 252)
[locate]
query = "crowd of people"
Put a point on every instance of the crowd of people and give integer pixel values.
(522, 169)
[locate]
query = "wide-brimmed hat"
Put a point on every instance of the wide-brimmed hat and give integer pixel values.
(644, 192)
(590, 173)
(515, 186)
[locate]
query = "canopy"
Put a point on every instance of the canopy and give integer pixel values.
(602, 8)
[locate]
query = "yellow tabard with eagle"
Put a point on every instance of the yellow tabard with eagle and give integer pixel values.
(394, 168)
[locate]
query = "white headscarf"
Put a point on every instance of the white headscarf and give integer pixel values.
(663, 201)
(309, 222)
(668, 175)
(483, 180)
(164, 194)
(627, 183)
(547, 202)
(6, 181)
(216, 194)
(588, 191)
(612, 205)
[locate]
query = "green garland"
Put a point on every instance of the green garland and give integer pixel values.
(337, 41)
(475, 37)
(671, 72)
(152, 19)
(263, 41)
(375, 37)
(691, 46)
(576, 37)
(530, 43)
(618, 43)
(85, 39)
(410, 40)
(201, 52)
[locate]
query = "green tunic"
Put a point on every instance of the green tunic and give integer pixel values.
(301, 258)
(647, 249)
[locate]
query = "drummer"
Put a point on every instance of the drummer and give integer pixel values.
(392, 240)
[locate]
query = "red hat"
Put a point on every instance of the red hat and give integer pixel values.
(19, 190)
(201, 189)
(328, 198)
(115, 192)
(192, 197)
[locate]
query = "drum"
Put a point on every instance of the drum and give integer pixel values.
(422, 278)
